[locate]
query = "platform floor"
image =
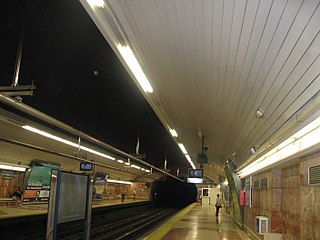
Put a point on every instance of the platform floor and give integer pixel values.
(13, 210)
(199, 222)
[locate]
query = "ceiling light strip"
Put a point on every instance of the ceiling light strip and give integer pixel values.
(135, 67)
(118, 181)
(67, 142)
(190, 161)
(173, 132)
(302, 140)
(96, 3)
(12, 168)
(183, 149)
(132, 165)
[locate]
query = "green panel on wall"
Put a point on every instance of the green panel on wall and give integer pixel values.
(234, 194)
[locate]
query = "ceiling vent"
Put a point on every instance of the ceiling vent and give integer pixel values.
(314, 175)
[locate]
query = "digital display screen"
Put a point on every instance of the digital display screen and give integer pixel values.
(86, 166)
(195, 173)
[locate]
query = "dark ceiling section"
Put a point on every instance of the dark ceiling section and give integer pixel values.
(79, 79)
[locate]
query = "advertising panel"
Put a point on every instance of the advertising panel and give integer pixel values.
(73, 196)
(100, 180)
(38, 184)
(242, 199)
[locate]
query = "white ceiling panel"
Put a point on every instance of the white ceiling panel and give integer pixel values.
(213, 64)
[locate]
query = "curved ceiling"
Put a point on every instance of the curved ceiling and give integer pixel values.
(214, 64)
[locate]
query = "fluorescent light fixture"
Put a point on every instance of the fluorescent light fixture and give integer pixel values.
(120, 161)
(127, 163)
(118, 181)
(183, 149)
(147, 170)
(97, 153)
(135, 166)
(190, 161)
(302, 140)
(13, 168)
(67, 142)
(143, 169)
(173, 132)
(48, 135)
(96, 3)
(135, 68)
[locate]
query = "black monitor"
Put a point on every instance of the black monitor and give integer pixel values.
(86, 166)
(195, 173)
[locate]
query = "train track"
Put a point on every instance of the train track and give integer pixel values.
(133, 226)
(119, 222)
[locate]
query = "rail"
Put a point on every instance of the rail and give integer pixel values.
(117, 222)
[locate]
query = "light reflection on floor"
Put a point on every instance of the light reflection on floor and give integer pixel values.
(201, 223)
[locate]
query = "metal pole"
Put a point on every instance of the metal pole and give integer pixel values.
(20, 47)
(48, 119)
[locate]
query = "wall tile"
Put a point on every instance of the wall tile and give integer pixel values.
(276, 179)
(276, 222)
(276, 199)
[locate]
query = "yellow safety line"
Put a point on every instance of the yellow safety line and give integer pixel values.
(167, 226)
(14, 215)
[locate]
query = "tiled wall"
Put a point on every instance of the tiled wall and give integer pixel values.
(291, 202)
(309, 201)
(10, 183)
(261, 203)
(116, 189)
(291, 205)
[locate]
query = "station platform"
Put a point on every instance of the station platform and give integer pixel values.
(198, 221)
(14, 210)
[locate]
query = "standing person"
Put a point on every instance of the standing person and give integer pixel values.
(218, 205)
(123, 196)
(134, 193)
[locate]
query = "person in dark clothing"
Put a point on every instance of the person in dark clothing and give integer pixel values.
(134, 193)
(218, 205)
(123, 196)
(17, 196)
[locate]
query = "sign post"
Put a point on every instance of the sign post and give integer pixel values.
(87, 223)
(70, 200)
(53, 205)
